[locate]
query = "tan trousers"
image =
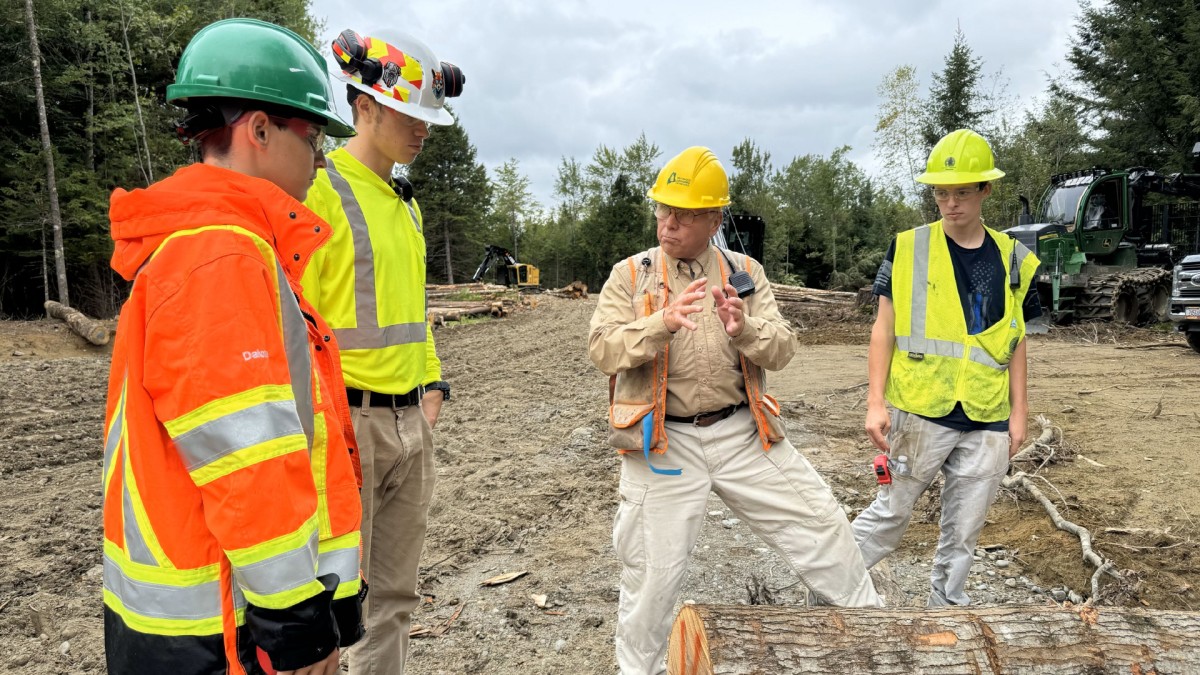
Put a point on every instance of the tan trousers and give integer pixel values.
(398, 479)
(777, 493)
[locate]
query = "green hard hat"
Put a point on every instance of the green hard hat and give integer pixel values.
(259, 61)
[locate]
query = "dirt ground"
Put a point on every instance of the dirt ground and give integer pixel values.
(527, 484)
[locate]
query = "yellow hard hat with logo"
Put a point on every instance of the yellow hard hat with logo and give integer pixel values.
(961, 157)
(693, 179)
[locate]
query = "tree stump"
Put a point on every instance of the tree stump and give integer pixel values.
(82, 325)
(713, 639)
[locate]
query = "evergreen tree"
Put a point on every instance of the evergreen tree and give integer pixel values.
(1137, 67)
(614, 231)
(454, 193)
(954, 103)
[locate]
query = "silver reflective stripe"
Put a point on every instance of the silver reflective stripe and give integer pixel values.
(237, 431)
(366, 313)
(343, 562)
(377, 338)
(926, 346)
(116, 429)
(920, 283)
(295, 344)
(283, 572)
(202, 601)
(980, 356)
(135, 542)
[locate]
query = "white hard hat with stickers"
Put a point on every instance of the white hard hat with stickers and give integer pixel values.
(402, 74)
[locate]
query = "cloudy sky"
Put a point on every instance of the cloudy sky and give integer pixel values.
(554, 78)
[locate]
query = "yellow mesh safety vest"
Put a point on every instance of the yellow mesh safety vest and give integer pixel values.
(935, 363)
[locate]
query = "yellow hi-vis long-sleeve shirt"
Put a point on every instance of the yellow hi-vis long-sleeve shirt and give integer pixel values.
(368, 281)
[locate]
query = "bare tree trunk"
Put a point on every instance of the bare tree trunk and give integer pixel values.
(710, 639)
(91, 110)
(35, 55)
(137, 99)
(449, 262)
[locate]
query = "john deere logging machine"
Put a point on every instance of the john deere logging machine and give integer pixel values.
(1108, 240)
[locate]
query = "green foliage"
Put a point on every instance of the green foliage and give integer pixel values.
(453, 190)
(88, 74)
(1137, 81)
(514, 210)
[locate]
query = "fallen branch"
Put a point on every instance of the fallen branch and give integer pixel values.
(1022, 480)
(440, 629)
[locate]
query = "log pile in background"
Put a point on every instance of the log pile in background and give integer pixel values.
(485, 300)
(575, 290)
(82, 325)
(710, 639)
(789, 294)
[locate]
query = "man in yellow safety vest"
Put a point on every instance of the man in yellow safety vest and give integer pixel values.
(369, 283)
(948, 353)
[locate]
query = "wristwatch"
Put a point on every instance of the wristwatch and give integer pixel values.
(442, 386)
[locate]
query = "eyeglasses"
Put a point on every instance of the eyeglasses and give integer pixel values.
(314, 134)
(961, 194)
(682, 216)
(413, 123)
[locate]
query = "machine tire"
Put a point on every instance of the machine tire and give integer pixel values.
(1125, 308)
(1193, 338)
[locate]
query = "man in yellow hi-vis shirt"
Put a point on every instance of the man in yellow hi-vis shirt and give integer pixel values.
(948, 353)
(369, 283)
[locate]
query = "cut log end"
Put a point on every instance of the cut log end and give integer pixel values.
(688, 654)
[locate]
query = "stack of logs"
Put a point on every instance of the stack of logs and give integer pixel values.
(790, 294)
(488, 300)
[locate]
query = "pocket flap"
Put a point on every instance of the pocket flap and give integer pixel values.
(625, 415)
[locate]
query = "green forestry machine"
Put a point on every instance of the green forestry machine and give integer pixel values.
(1107, 241)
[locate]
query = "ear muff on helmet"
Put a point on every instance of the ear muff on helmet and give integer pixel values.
(453, 76)
(351, 50)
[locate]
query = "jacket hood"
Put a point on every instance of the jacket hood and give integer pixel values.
(199, 195)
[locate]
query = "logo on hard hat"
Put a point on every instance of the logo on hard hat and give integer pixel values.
(439, 83)
(391, 74)
(949, 162)
(674, 178)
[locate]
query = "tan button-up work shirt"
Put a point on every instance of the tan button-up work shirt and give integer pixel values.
(703, 369)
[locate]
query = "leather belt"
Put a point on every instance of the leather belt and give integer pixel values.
(706, 419)
(355, 396)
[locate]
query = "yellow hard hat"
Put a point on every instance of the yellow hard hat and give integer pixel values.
(693, 179)
(961, 157)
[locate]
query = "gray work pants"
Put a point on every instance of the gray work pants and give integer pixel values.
(973, 464)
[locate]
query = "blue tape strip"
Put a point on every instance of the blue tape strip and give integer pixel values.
(647, 440)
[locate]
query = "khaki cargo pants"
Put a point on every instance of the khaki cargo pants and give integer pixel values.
(398, 479)
(777, 493)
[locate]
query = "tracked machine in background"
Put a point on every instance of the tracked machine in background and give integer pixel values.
(509, 272)
(1108, 240)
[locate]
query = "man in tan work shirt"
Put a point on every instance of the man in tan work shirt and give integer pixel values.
(688, 366)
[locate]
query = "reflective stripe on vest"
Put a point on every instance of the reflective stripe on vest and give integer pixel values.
(367, 333)
(915, 343)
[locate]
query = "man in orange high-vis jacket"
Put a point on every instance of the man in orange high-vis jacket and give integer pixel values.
(691, 416)
(231, 508)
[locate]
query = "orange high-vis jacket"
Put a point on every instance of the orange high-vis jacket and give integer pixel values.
(231, 476)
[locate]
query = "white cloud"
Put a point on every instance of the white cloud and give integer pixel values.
(547, 79)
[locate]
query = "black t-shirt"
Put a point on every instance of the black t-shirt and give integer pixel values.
(982, 279)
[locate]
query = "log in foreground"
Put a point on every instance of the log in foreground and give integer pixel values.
(82, 325)
(716, 639)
